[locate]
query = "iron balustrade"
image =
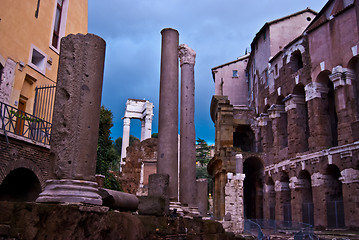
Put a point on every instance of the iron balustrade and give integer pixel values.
(24, 124)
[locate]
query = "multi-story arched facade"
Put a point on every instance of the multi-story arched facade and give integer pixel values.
(303, 112)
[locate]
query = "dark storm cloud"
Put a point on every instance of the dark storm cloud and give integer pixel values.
(219, 32)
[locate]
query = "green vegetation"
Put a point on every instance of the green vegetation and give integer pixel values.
(107, 155)
(109, 152)
(203, 157)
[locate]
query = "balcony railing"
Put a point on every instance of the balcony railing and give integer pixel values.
(24, 124)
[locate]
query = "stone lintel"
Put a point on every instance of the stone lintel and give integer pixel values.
(315, 90)
(186, 54)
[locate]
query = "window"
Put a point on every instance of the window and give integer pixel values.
(1, 71)
(276, 69)
(296, 61)
(57, 23)
(267, 77)
(235, 73)
(37, 59)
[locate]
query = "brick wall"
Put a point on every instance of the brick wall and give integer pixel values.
(22, 153)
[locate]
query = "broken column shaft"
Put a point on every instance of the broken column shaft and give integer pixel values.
(167, 160)
(76, 118)
(187, 132)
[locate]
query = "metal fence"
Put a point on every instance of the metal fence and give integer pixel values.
(263, 228)
(44, 102)
(335, 214)
(23, 124)
(253, 228)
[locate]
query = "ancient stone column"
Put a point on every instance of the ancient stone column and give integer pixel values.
(7, 81)
(239, 163)
(76, 119)
(168, 111)
(125, 137)
(297, 124)
(202, 196)
(148, 127)
(187, 132)
(142, 130)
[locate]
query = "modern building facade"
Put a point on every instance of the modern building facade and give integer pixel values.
(298, 129)
(29, 54)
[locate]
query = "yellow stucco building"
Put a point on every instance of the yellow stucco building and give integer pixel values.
(30, 33)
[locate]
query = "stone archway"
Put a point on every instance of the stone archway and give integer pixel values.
(253, 188)
(334, 198)
(306, 197)
(20, 184)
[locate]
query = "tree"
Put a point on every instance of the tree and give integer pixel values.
(106, 153)
(118, 146)
(202, 158)
(154, 135)
(202, 152)
(133, 139)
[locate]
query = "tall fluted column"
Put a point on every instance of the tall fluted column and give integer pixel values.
(187, 133)
(76, 119)
(148, 127)
(142, 130)
(125, 137)
(168, 111)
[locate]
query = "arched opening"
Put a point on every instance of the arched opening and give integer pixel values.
(253, 188)
(307, 197)
(282, 124)
(354, 66)
(20, 185)
(329, 109)
(334, 198)
(296, 61)
(270, 197)
(285, 199)
(302, 134)
(243, 138)
(1, 71)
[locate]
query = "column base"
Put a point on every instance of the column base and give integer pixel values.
(70, 191)
(176, 205)
(191, 212)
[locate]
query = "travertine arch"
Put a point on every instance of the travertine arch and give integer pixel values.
(23, 163)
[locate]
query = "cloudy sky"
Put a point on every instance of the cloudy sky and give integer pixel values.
(219, 32)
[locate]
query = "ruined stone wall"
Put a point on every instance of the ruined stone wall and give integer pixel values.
(54, 221)
(137, 156)
(21, 153)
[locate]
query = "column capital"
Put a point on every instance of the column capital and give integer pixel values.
(318, 179)
(126, 121)
(315, 90)
(349, 175)
(263, 119)
(341, 76)
(292, 100)
(275, 110)
(186, 54)
(281, 186)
